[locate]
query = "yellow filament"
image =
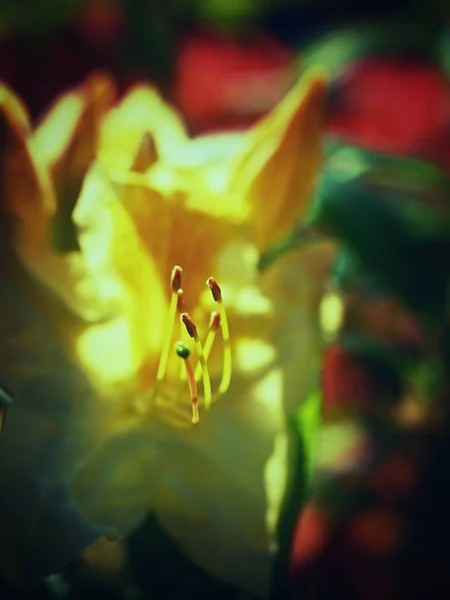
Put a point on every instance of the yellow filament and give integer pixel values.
(167, 340)
(205, 372)
(226, 372)
(183, 336)
(183, 333)
(207, 347)
(192, 390)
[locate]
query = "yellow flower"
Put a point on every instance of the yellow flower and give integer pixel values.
(152, 199)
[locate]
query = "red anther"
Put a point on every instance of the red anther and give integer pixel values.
(215, 289)
(175, 278)
(214, 321)
(189, 324)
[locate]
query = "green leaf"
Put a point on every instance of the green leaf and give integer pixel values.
(303, 425)
(306, 423)
(415, 178)
(401, 244)
(337, 49)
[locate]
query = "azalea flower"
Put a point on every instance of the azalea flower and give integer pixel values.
(199, 438)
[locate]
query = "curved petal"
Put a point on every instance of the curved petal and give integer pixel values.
(277, 170)
(141, 111)
(25, 183)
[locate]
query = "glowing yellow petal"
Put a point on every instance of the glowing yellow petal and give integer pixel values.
(173, 234)
(26, 186)
(12, 106)
(115, 257)
(67, 138)
(56, 129)
(141, 110)
(277, 170)
(72, 124)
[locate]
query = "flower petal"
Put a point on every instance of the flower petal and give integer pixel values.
(141, 110)
(67, 139)
(26, 187)
(277, 170)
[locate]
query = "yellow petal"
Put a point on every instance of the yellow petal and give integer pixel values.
(141, 110)
(174, 234)
(277, 170)
(26, 187)
(67, 137)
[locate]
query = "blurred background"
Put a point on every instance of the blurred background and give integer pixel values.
(376, 521)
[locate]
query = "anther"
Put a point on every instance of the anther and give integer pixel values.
(214, 321)
(215, 289)
(189, 324)
(175, 278)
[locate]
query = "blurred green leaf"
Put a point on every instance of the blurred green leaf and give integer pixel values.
(306, 423)
(348, 273)
(423, 180)
(303, 426)
(401, 241)
(339, 48)
(426, 379)
(444, 50)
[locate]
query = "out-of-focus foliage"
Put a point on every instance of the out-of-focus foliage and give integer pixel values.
(339, 48)
(398, 239)
(38, 18)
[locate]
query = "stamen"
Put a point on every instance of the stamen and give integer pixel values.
(226, 373)
(214, 324)
(183, 352)
(181, 308)
(215, 289)
(192, 331)
(175, 282)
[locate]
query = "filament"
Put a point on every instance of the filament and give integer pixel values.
(227, 366)
(192, 331)
(214, 324)
(168, 338)
(181, 308)
(175, 282)
(183, 352)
